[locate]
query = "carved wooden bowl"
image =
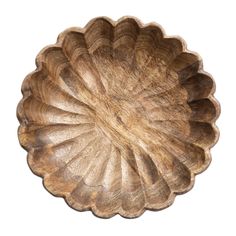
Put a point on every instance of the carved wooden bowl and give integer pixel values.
(118, 118)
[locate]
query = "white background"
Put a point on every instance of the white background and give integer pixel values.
(26, 208)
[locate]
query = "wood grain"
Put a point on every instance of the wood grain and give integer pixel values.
(118, 118)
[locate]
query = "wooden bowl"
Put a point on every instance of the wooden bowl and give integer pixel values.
(118, 118)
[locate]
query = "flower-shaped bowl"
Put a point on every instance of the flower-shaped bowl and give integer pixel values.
(118, 118)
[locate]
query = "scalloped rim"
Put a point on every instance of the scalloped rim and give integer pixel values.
(70, 202)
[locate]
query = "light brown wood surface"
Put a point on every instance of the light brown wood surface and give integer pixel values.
(118, 118)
